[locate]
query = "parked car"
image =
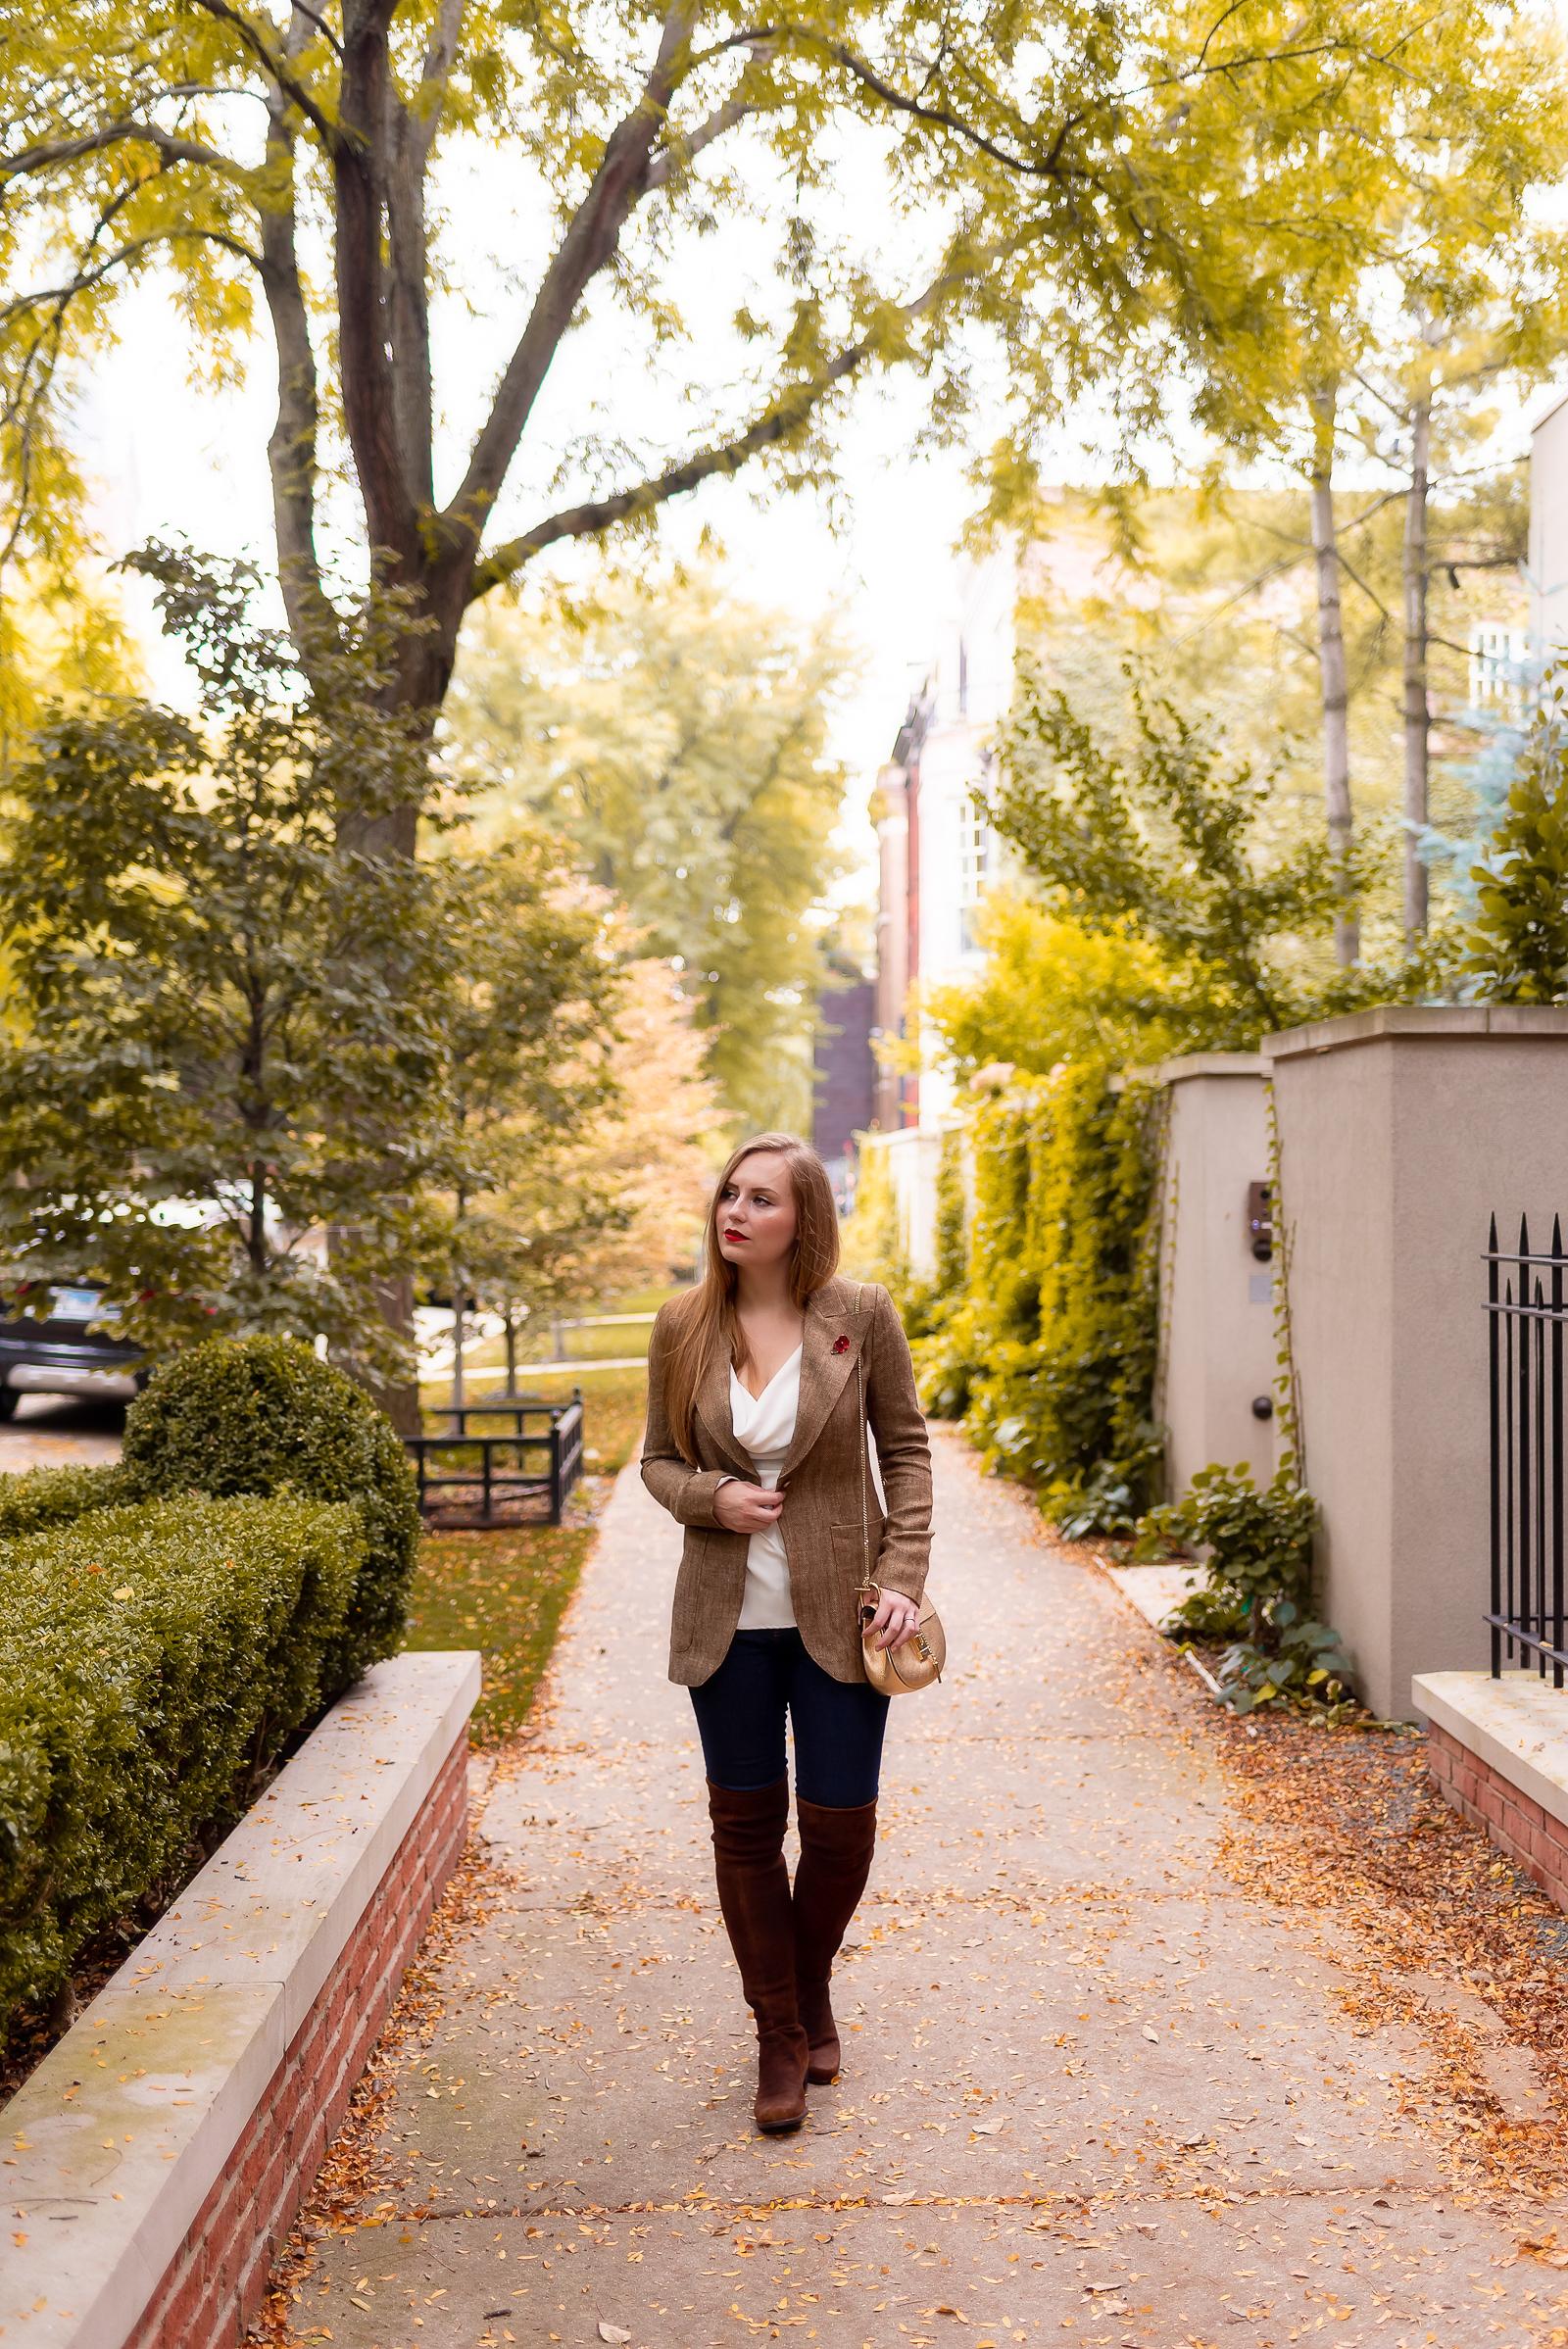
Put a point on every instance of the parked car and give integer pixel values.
(63, 1353)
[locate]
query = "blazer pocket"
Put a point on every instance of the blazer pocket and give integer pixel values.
(856, 1550)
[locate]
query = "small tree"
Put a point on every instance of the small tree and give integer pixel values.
(527, 1037)
(661, 1142)
(229, 1031)
(1172, 848)
(1183, 852)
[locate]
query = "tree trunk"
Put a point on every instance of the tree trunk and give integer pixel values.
(394, 1299)
(1335, 692)
(424, 674)
(1417, 711)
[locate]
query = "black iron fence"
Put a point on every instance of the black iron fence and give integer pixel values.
(483, 1473)
(1526, 1313)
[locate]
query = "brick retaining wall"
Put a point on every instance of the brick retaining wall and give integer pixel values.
(1515, 1822)
(219, 2279)
(152, 2164)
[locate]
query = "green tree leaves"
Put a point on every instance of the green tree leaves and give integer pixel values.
(234, 1032)
(1517, 944)
(675, 736)
(1164, 847)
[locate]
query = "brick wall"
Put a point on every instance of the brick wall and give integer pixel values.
(843, 1068)
(1513, 1819)
(218, 2279)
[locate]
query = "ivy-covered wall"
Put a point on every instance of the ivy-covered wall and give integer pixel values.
(1038, 1329)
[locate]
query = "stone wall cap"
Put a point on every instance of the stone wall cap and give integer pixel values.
(1518, 1724)
(1210, 1064)
(1413, 1021)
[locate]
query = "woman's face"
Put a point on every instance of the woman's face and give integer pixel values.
(756, 1215)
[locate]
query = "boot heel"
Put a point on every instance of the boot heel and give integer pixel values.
(823, 2033)
(781, 2077)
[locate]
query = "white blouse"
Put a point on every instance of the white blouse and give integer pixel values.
(764, 1427)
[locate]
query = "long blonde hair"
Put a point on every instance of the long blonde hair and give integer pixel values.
(704, 1319)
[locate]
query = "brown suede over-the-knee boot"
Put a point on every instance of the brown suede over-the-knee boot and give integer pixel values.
(836, 1847)
(754, 1894)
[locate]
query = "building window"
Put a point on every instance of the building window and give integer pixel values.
(1498, 658)
(977, 851)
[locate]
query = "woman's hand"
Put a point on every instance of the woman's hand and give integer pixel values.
(896, 1618)
(744, 1508)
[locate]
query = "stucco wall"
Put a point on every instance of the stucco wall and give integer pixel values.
(1217, 1317)
(914, 1157)
(1401, 1132)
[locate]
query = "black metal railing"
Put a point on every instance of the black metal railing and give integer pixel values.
(1525, 1313)
(489, 1473)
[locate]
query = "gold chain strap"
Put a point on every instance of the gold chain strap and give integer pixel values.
(865, 1512)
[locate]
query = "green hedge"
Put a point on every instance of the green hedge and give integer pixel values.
(1046, 1349)
(261, 1415)
(257, 1415)
(46, 1497)
(151, 1658)
(168, 1626)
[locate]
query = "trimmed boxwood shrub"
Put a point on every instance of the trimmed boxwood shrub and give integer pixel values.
(261, 1415)
(154, 1659)
(46, 1497)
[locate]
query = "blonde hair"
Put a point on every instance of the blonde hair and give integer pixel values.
(705, 1319)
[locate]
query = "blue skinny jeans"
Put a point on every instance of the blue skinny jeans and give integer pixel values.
(838, 1724)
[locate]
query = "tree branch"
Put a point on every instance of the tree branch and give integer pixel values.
(85, 280)
(276, 70)
(369, 393)
(590, 241)
(1278, 569)
(1370, 593)
(786, 416)
(436, 69)
(172, 148)
(1503, 560)
(781, 421)
(685, 151)
(935, 118)
(291, 448)
(25, 408)
(405, 149)
(783, 418)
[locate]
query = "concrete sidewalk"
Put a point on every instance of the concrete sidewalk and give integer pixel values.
(1093, 2092)
(59, 1431)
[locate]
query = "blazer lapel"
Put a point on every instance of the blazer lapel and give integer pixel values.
(824, 1373)
(712, 1404)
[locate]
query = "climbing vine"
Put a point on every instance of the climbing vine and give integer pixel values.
(1047, 1349)
(1256, 1597)
(871, 1242)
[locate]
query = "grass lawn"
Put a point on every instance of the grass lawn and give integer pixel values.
(504, 1592)
(482, 1360)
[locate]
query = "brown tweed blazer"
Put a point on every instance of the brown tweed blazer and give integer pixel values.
(821, 1520)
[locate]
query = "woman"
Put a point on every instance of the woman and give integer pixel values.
(755, 1444)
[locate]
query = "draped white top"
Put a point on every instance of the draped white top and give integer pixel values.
(764, 1427)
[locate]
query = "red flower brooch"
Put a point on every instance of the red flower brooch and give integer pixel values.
(841, 1345)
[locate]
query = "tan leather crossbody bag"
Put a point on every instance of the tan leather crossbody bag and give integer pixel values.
(916, 1661)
